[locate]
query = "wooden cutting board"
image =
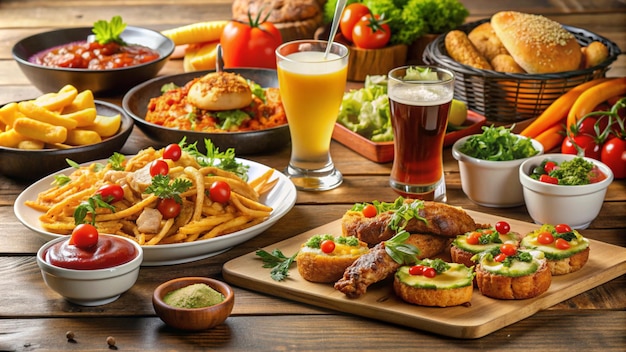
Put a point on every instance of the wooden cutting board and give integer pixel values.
(484, 315)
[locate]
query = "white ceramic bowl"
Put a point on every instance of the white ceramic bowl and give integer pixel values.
(576, 206)
(90, 287)
(490, 183)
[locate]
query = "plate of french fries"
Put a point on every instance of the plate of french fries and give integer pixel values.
(204, 228)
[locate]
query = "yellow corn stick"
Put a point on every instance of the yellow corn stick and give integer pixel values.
(83, 100)
(199, 32)
(83, 117)
(41, 131)
(106, 126)
(200, 57)
(30, 109)
(8, 113)
(11, 139)
(82, 137)
(57, 101)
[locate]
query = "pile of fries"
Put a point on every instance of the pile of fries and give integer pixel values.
(200, 218)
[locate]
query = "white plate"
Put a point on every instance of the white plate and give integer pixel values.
(281, 198)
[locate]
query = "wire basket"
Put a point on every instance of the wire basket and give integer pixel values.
(514, 97)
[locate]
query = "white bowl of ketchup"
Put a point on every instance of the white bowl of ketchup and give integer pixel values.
(92, 277)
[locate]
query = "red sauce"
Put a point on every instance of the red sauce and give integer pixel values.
(109, 252)
(95, 56)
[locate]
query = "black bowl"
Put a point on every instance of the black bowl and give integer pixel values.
(27, 165)
(51, 79)
(136, 101)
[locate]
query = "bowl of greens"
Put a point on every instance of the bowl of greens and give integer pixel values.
(489, 163)
(564, 188)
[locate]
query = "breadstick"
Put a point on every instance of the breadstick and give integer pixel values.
(461, 49)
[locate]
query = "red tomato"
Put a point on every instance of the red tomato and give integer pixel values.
(430, 272)
(84, 236)
(503, 227)
(350, 16)
(251, 44)
(549, 166)
(219, 192)
(500, 257)
(159, 167)
(583, 142)
(369, 211)
(111, 193)
(473, 238)
(172, 152)
(548, 179)
(168, 207)
(371, 33)
(327, 246)
(614, 156)
(545, 237)
(417, 270)
(562, 228)
(508, 249)
(561, 243)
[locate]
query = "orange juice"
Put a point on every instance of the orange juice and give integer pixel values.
(311, 89)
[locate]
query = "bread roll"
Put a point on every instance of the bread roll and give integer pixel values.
(594, 54)
(317, 266)
(506, 63)
(486, 41)
(217, 91)
(538, 44)
(461, 49)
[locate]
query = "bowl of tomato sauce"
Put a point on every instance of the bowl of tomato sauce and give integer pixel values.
(88, 268)
(53, 59)
(564, 188)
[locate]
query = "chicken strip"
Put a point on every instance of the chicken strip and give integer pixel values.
(372, 267)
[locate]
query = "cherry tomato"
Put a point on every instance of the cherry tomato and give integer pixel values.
(587, 126)
(417, 270)
(582, 142)
(111, 193)
(473, 238)
(548, 179)
(219, 192)
(508, 249)
(369, 211)
(545, 237)
(159, 167)
(251, 44)
(562, 228)
(500, 257)
(371, 33)
(614, 156)
(84, 236)
(327, 246)
(503, 227)
(430, 272)
(172, 152)
(549, 166)
(350, 16)
(168, 207)
(561, 243)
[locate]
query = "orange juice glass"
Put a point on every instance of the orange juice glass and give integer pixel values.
(311, 86)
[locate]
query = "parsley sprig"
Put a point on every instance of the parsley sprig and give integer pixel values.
(163, 188)
(107, 32)
(402, 211)
(90, 205)
(278, 262)
(213, 157)
(400, 251)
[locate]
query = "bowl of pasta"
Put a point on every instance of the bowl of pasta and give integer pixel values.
(166, 110)
(133, 203)
(40, 135)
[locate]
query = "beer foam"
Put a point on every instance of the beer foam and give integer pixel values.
(419, 94)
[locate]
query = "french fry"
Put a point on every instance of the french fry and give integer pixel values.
(57, 101)
(41, 131)
(106, 126)
(11, 139)
(30, 144)
(199, 32)
(83, 100)
(84, 117)
(8, 114)
(36, 112)
(78, 137)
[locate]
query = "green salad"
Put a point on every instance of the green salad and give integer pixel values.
(498, 144)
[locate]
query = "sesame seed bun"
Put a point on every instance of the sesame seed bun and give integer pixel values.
(220, 91)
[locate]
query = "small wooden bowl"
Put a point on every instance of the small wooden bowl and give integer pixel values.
(364, 62)
(193, 318)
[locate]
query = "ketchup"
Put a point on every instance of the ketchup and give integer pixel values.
(95, 56)
(109, 252)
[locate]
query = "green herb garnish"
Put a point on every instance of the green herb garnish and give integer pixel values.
(107, 32)
(89, 206)
(224, 160)
(400, 251)
(498, 144)
(117, 161)
(278, 262)
(61, 180)
(162, 188)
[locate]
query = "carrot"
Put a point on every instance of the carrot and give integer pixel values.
(593, 96)
(551, 137)
(558, 110)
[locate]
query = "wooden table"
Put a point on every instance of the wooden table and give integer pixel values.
(32, 317)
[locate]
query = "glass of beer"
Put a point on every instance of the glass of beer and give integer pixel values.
(312, 83)
(419, 99)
